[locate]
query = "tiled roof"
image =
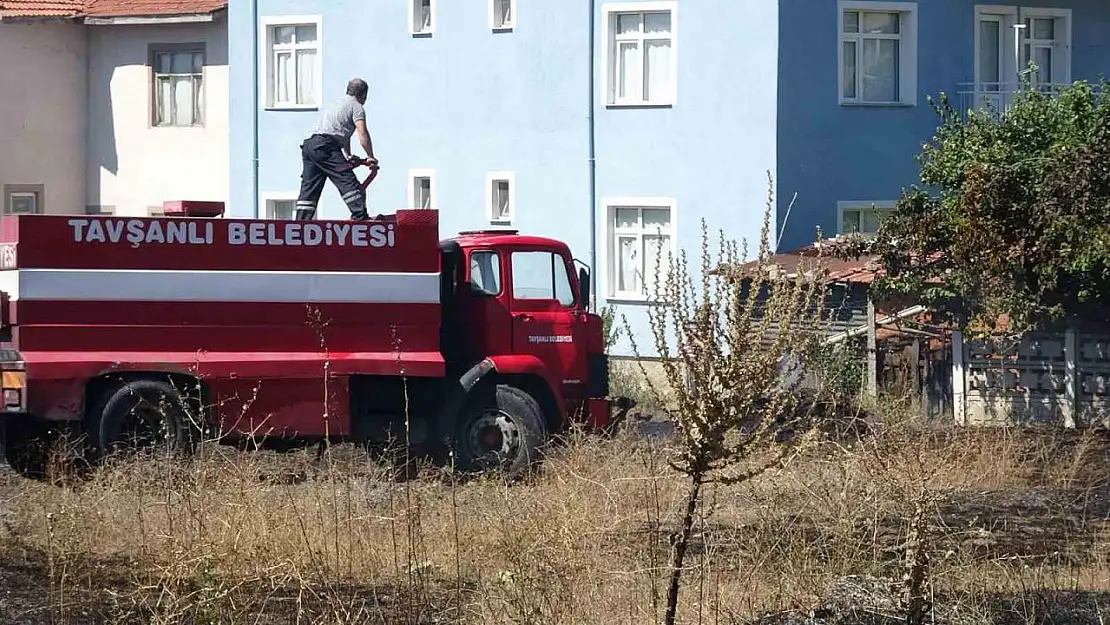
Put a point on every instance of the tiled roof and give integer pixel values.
(41, 8)
(105, 8)
(127, 8)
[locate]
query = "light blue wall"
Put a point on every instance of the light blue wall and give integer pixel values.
(829, 153)
(712, 150)
(463, 102)
(466, 101)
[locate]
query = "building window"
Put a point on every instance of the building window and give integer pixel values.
(178, 85)
(23, 199)
(500, 197)
(422, 17)
(878, 52)
(293, 62)
(641, 52)
(502, 14)
(1046, 40)
(862, 217)
(541, 276)
(280, 206)
(1003, 52)
(641, 243)
(422, 188)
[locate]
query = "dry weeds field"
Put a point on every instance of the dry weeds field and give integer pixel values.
(1018, 534)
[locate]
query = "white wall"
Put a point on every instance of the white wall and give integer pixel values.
(133, 165)
(42, 111)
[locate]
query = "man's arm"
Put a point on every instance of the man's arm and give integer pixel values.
(364, 138)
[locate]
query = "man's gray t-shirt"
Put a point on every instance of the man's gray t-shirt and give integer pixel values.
(338, 118)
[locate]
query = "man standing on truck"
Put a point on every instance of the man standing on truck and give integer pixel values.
(326, 154)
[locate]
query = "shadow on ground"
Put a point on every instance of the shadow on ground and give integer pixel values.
(37, 591)
(862, 600)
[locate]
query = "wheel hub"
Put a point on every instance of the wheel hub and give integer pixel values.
(493, 437)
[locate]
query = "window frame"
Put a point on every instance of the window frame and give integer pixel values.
(155, 49)
(1064, 40)
(879, 206)
(493, 17)
(609, 15)
(907, 50)
(268, 199)
(422, 172)
(268, 77)
(491, 178)
(38, 191)
(411, 10)
(538, 304)
(499, 272)
(612, 232)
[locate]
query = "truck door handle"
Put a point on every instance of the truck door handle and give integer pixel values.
(524, 317)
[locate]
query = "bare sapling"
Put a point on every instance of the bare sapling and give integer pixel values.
(733, 343)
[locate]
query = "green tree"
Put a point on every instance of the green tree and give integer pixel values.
(1012, 217)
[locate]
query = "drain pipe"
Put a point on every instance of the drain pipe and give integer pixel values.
(254, 107)
(593, 160)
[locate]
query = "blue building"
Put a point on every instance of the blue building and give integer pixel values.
(619, 125)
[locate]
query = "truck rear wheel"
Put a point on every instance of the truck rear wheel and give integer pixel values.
(147, 415)
(501, 429)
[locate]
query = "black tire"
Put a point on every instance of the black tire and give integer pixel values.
(142, 416)
(512, 416)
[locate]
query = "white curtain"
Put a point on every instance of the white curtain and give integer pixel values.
(500, 199)
(657, 262)
(657, 78)
(880, 70)
(284, 76)
(628, 263)
(990, 60)
(849, 86)
(628, 68)
(1042, 58)
(422, 192)
(165, 100)
(183, 100)
(306, 76)
(422, 15)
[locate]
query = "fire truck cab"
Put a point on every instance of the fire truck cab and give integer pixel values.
(158, 333)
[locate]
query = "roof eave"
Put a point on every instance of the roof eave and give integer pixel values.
(135, 20)
(39, 18)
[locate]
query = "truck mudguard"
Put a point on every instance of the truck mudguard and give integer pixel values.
(508, 364)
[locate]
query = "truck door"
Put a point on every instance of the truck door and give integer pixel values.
(546, 322)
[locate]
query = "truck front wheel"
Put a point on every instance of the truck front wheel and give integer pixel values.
(502, 428)
(142, 415)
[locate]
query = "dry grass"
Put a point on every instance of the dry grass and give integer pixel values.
(257, 538)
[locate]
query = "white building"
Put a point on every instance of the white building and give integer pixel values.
(115, 111)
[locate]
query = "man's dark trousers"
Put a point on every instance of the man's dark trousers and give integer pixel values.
(322, 160)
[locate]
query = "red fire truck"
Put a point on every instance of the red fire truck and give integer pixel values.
(159, 332)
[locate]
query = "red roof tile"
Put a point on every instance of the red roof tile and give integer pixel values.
(128, 8)
(106, 8)
(41, 8)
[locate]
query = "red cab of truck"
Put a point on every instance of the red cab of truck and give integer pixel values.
(140, 332)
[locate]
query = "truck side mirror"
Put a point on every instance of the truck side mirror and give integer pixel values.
(584, 287)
